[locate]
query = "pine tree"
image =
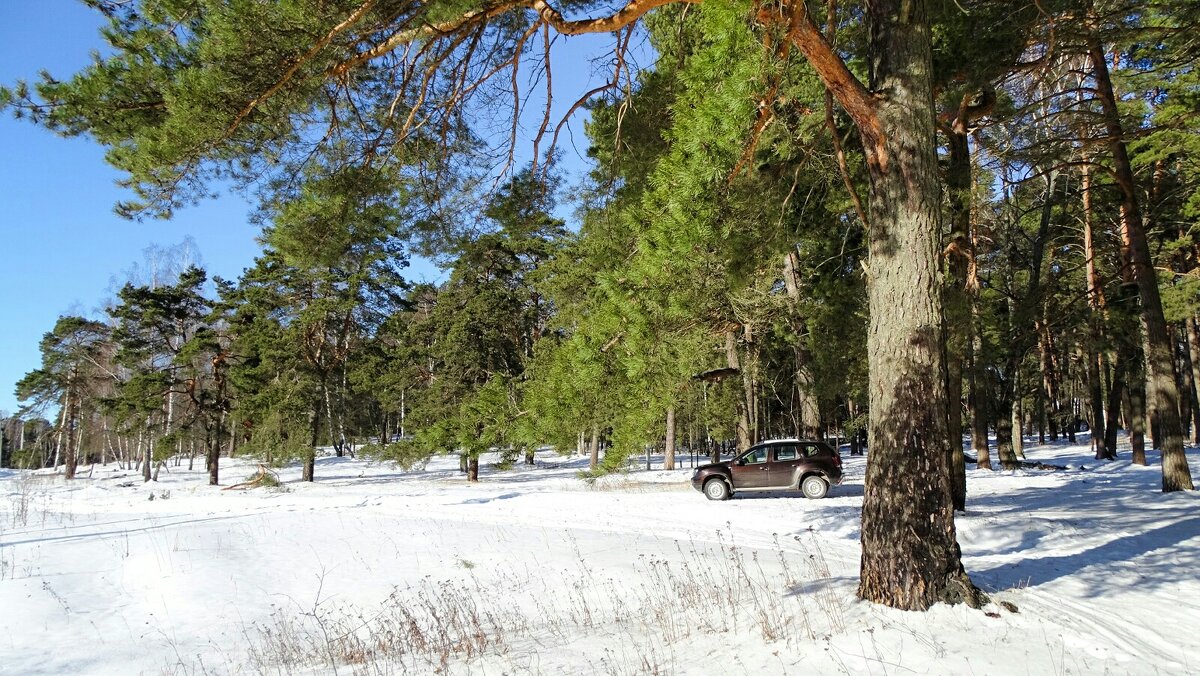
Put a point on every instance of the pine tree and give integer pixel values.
(72, 366)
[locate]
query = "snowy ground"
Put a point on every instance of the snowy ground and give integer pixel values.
(377, 571)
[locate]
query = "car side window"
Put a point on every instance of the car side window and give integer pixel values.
(756, 456)
(785, 453)
(811, 450)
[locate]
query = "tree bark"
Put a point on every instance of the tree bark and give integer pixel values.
(910, 553)
(473, 468)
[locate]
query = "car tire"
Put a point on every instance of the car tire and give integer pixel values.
(814, 487)
(716, 489)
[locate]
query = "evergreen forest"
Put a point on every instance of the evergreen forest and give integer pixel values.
(925, 229)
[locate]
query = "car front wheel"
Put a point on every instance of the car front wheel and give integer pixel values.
(814, 487)
(716, 489)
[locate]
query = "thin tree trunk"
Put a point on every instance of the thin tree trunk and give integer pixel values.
(743, 404)
(62, 427)
(960, 292)
(338, 450)
(1135, 402)
(1095, 386)
(976, 399)
(809, 419)
(70, 420)
(214, 459)
(594, 450)
(1190, 412)
(669, 445)
(1193, 332)
(473, 468)
(1051, 380)
(1116, 394)
(1018, 424)
(1004, 431)
(1101, 435)
(310, 455)
(147, 453)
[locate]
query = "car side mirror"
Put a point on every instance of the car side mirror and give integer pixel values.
(741, 462)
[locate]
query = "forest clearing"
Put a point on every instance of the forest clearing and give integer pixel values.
(373, 570)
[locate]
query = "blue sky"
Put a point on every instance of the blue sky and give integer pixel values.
(64, 251)
(63, 248)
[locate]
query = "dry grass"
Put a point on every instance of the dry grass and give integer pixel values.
(699, 590)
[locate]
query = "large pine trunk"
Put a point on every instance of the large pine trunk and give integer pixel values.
(1160, 365)
(910, 554)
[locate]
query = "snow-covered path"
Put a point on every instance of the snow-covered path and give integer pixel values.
(374, 570)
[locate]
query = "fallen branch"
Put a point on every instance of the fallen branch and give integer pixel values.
(264, 476)
(1026, 464)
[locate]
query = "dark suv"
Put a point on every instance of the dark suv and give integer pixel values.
(787, 464)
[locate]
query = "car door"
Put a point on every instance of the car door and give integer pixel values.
(785, 458)
(751, 469)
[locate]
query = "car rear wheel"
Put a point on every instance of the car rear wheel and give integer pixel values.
(716, 489)
(814, 487)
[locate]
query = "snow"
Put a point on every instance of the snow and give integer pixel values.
(374, 570)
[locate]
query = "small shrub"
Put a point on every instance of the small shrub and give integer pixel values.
(405, 454)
